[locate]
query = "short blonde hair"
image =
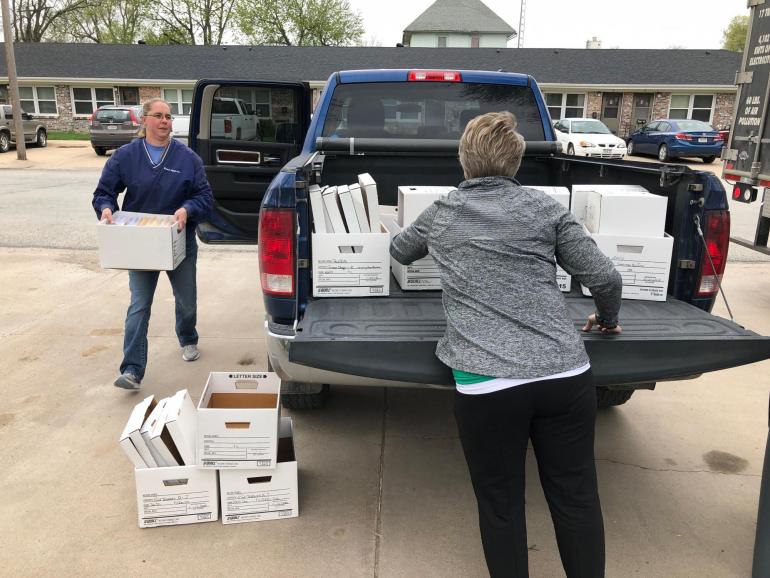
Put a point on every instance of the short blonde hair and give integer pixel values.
(146, 110)
(491, 147)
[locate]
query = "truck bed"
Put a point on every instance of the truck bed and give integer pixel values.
(660, 340)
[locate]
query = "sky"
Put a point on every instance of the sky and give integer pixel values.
(569, 23)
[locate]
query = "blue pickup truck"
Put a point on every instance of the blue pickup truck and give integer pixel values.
(403, 127)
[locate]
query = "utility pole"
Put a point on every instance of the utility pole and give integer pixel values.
(13, 84)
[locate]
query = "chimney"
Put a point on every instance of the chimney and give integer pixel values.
(594, 43)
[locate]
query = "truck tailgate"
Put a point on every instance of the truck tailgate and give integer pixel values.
(394, 338)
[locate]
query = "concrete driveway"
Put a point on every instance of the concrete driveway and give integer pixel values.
(383, 487)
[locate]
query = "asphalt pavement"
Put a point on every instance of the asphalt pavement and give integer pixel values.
(383, 487)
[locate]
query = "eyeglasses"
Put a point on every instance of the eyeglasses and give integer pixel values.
(160, 116)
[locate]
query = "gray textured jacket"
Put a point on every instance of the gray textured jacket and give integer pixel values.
(494, 243)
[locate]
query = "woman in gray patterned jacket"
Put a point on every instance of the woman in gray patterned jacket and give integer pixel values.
(520, 366)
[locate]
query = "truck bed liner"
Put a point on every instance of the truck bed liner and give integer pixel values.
(394, 338)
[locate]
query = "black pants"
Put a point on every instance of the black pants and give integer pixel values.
(558, 416)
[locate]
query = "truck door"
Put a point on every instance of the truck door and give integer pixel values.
(240, 170)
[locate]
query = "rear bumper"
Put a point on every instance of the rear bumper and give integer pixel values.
(393, 341)
(694, 150)
(111, 140)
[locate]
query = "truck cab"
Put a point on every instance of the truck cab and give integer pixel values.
(403, 128)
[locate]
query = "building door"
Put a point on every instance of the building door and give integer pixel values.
(611, 110)
(129, 95)
(642, 109)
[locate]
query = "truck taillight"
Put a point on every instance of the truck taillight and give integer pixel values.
(276, 251)
(434, 76)
(716, 231)
(228, 125)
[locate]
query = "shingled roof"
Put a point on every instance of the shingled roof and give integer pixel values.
(459, 16)
(135, 63)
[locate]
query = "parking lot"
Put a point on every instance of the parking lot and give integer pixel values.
(383, 486)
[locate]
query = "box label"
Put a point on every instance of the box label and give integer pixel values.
(344, 273)
(169, 509)
(225, 451)
(240, 503)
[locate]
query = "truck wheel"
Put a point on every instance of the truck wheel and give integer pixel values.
(708, 160)
(41, 139)
(5, 142)
(101, 151)
(606, 397)
(663, 153)
(571, 150)
(295, 395)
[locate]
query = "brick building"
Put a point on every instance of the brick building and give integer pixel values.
(64, 83)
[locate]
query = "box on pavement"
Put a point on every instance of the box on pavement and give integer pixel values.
(351, 265)
(131, 439)
(140, 241)
(643, 262)
(421, 275)
(413, 200)
(625, 213)
(257, 495)
(173, 435)
(176, 495)
(238, 421)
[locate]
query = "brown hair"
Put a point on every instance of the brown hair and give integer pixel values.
(145, 111)
(490, 146)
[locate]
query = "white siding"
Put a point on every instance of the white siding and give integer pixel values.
(456, 40)
(493, 41)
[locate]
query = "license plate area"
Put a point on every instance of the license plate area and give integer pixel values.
(112, 127)
(703, 139)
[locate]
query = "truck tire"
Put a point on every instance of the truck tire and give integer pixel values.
(301, 396)
(708, 160)
(663, 153)
(5, 142)
(41, 139)
(606, 397)
(101, 151)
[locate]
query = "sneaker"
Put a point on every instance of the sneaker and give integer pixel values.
(190, 352)
(127, 381)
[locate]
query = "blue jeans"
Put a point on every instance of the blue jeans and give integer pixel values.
(142, 285)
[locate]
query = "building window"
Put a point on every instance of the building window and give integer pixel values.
(475, 41)
(691, 106)
(87, 100)
(565, 105)
(179, 99)
(38, 99)
(442, 41)
(258, 100)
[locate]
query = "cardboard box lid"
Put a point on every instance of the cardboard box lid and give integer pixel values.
(177, 427)
(138, 416)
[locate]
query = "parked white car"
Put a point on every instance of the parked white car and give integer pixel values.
(233, 118)
(588, 137)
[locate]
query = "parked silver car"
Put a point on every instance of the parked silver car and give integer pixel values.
(35, 132)
(113, 126)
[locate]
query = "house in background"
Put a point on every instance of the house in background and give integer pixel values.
(64, 83)
(458, 24)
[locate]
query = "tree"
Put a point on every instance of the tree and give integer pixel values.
(299, 22)
(192, 21)
(109, 22)
(734, 38)
(34, 19)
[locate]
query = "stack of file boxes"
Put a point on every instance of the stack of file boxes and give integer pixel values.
(233, 450)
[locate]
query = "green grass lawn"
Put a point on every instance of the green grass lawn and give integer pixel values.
(67, 135)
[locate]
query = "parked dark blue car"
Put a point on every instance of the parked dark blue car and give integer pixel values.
(670, 138)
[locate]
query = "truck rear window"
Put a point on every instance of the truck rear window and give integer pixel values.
(434, 110)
